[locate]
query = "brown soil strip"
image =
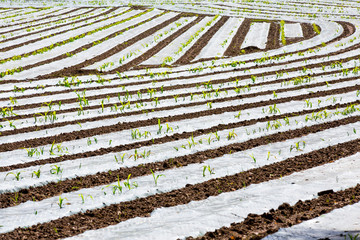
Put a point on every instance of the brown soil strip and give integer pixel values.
(273, 36)
(201, 43)
(257, 226)
(151, 52)
(238, 39)
(115, 213)
(31, 143)
(308, 31)
(35, 20)
(66, 24)
(75, 69)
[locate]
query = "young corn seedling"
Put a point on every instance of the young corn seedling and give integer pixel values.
(127, 184)
(210, 170)
(61, 201)
(274, 94)
(55, 169)
(160, 127)
(209, 139)
(16, 175)
(308, 103)
(15, 199)
(274, 109)
(253, 158)
(298, 146)
(217, 136)
(52, 148)
(191, 142)
(117, 186)
(122, 158)
(287, 121)
(135, 134)
(145, 154)
(83, 198)
(253, 78)
(31, 151)
(13, 100)
(238, 115)
(136, 155)
(231, 135)
(36, 173)
(156, 177)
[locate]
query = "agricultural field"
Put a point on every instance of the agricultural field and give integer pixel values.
(231, 119)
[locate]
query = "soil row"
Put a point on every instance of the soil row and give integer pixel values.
(101, 178)
(115, 213)
(200, 43)
(256, 226)
(160, 45)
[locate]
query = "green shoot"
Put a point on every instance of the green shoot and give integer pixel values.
(156, 177)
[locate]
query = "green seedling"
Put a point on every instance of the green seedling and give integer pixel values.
(15, 199)
(83, 198)
(211, 170)
(16, 175)
(127, 183)
(253, 158)
(55, 169)
(298, 146)
(160, 127)
(156, 177)
(274, 109)
(122, 158)
(61, 201)
(117, 186)
(36, 173)
(231, 135)
(238, 115)
(217, 136)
